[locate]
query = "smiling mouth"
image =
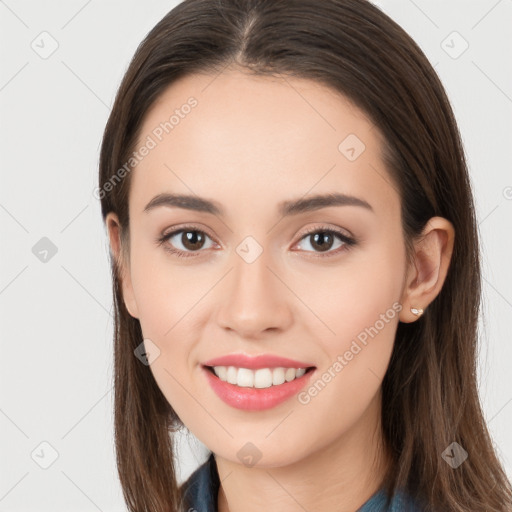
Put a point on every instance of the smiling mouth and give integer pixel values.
(257, 378)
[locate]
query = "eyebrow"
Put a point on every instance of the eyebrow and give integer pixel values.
(285, 208)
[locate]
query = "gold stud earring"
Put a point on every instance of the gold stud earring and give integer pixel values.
(417, 311)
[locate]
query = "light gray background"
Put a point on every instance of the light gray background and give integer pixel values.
(56, 363)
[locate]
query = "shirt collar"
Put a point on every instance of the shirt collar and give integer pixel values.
(201, 489)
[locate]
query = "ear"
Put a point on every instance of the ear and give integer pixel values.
(114, 234)
(427, 272)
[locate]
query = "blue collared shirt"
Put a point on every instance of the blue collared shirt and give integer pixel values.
(201, 490)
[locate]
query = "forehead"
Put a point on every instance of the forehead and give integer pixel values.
(238, 137)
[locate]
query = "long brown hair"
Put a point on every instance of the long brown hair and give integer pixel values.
(430, 395)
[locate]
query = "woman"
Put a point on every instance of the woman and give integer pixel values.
(295, 265)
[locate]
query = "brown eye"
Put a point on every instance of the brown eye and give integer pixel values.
(192, 240)
(184, 242)
(189, 241)
(322, 241)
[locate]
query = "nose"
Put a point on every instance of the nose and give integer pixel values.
(254, 299)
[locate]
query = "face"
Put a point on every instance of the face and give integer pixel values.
(320, 284)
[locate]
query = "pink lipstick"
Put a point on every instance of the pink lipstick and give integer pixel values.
(256, 383)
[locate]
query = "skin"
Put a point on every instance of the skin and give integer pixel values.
(251, 143)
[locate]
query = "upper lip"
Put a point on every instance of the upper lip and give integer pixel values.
(255, 362)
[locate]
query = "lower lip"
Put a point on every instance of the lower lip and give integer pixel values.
(256, 399)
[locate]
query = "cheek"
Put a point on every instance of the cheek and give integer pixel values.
(166, 302)
(169, 301)
(360, 306)
(363, 291)
(162, 293)
(362, 311)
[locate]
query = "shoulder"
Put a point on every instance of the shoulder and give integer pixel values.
(201, 488)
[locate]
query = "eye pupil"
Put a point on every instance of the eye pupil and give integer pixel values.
(192, 240)
(322, 235)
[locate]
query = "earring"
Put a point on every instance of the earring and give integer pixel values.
(417, 311)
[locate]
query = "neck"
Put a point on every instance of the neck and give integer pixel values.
(341, 476)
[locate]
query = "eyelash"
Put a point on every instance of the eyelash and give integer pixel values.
(348, 242)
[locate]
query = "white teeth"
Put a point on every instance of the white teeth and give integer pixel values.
(222, 373)
(245, 378)
(261, 378)
(231, 375)
(277, 376)
(289, 374)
